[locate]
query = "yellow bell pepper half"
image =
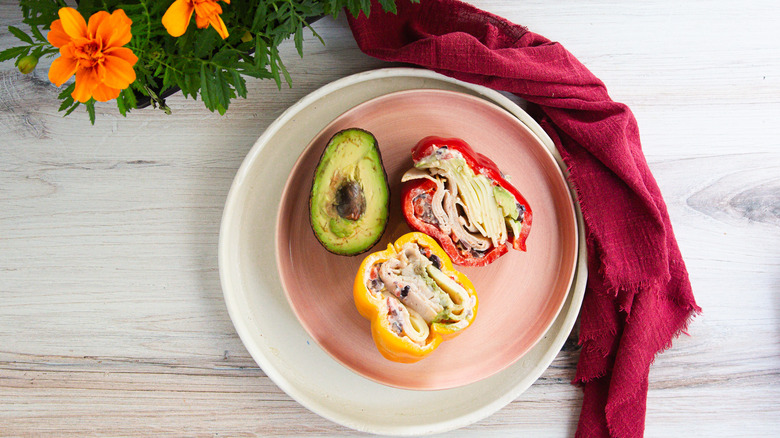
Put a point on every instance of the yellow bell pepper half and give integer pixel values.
(413, 297)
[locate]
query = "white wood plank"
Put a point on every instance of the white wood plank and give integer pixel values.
(111, 314)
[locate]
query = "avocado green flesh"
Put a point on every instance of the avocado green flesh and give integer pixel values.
(506, 202)
(351, 157)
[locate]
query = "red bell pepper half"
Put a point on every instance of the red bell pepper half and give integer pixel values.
(461, 199)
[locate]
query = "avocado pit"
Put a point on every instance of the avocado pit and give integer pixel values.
(350, 201)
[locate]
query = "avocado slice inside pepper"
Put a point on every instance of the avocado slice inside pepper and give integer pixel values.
(492, 209)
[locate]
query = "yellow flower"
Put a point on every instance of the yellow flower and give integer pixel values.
(93, 52)
(177, 17)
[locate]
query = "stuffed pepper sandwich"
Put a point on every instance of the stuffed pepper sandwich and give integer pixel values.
(413, 297)
(461, 198)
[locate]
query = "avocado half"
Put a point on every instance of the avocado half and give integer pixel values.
(350, 199)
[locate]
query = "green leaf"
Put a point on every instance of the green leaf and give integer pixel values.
(333, 8)
(120, 105)
(88, 7)
(250, 70)
(286, 74)
(261, 52)
(354, 7)
(205, 43)
(22, 55)
(66, 103)
(193, 82)
(259, 19)
(19, 33)
(65, 94)
(71, 109)
(239, 83)
(37, 52)
(365, 5)
(298, 38)
(208, 89)
(222, 89)
(130, 101)
(13, 52)
(224, 58)
(389, 6)
(274, 58)
(49, 51)
(37, 34)
(167, 79)
(40, 12)
(91, 110)
(314, 32)
(204, 83)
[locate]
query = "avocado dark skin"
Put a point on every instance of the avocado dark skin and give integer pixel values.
(350, 198)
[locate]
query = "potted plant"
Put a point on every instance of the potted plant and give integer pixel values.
(138, 52)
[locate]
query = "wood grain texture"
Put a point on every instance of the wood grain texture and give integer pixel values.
(112, 320)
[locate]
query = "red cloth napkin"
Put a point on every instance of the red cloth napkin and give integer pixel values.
(638, 296)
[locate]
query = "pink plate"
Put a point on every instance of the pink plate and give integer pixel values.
(520, 294)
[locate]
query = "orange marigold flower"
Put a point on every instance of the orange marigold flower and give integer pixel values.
(93, 52)
(177, 17)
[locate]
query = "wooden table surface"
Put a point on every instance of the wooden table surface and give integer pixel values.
(112, 320)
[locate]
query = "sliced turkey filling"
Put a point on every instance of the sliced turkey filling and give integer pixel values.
(417, 293)
(477, 213)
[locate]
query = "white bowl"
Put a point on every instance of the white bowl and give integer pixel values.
(272, 334)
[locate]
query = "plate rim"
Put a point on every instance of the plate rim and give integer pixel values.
(570, 212)
(325, 410)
